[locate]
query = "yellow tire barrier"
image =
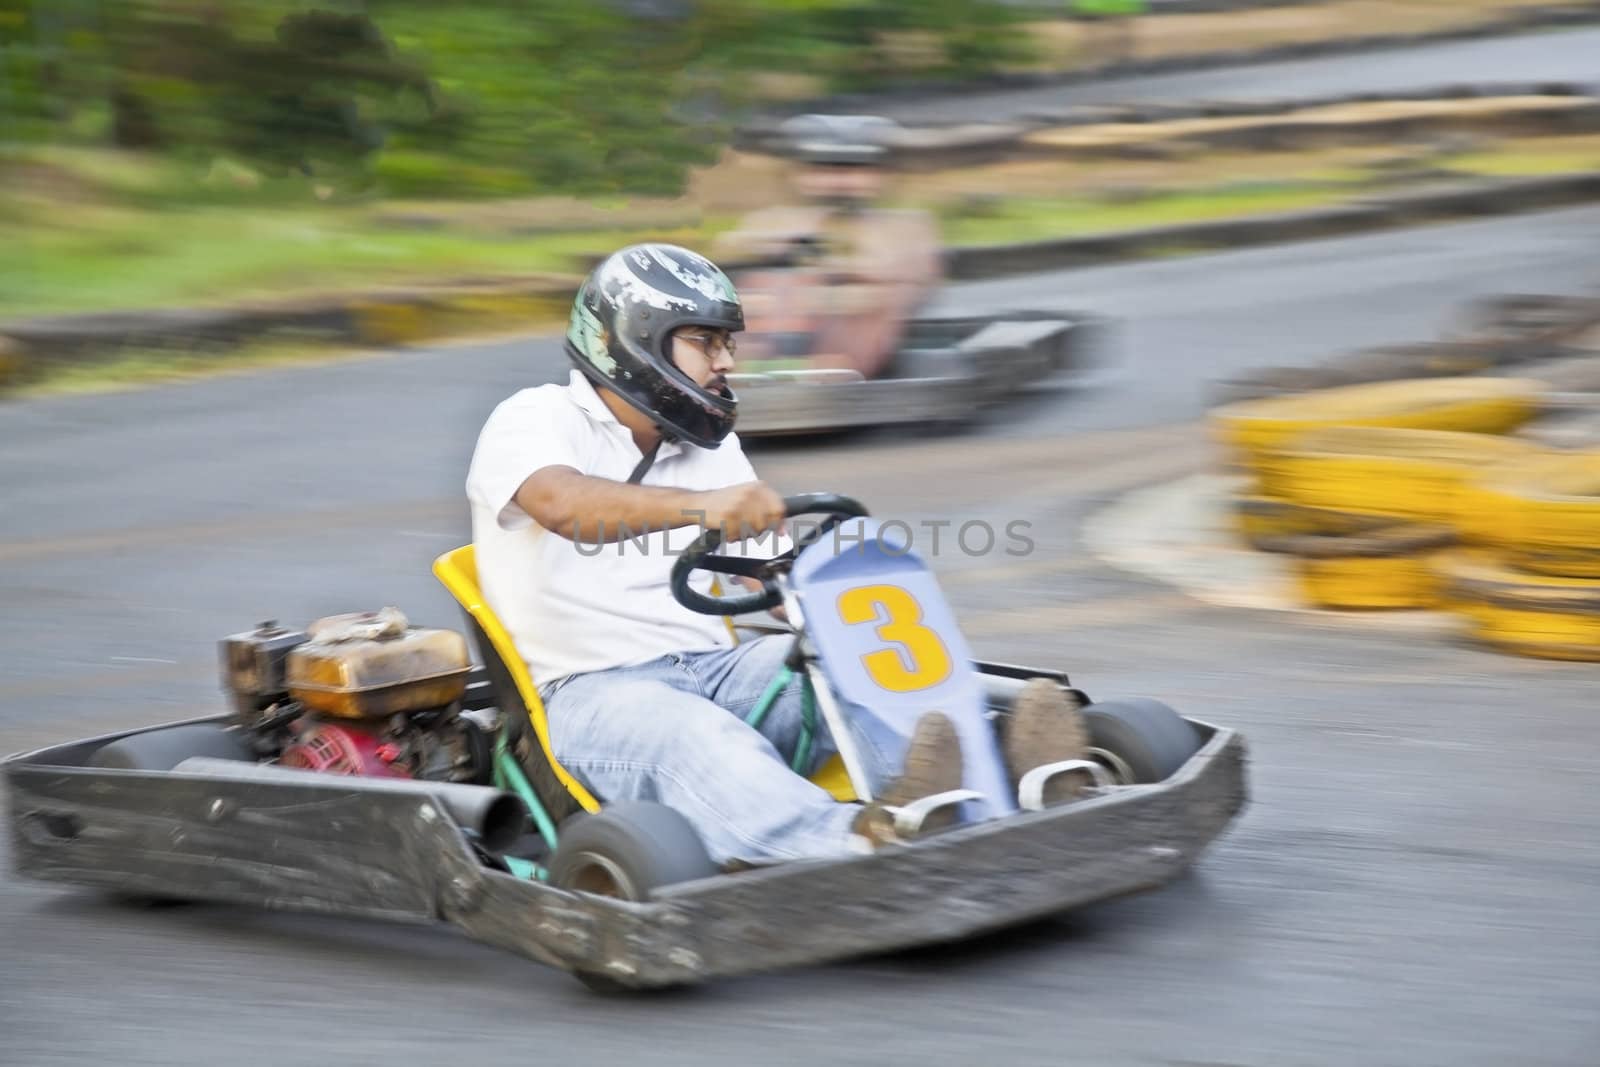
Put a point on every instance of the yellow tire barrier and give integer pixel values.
(1543, 511)
(1385, 569)
(1257, 428)
(1263, 520)
(1539, 634)
(1554, 562)
(1408, 473)
(1528, 614)
(1391, 583)
(1481, 577)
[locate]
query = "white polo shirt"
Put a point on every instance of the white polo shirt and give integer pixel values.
(578, 606)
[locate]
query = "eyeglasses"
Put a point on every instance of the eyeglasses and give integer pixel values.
(709, 342)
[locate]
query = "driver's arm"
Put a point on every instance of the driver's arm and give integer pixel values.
(769, 232)
(581, 507)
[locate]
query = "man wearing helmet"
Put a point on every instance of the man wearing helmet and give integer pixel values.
(582, 496)
(855, 271)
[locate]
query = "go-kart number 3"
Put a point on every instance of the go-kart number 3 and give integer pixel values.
(921, 660)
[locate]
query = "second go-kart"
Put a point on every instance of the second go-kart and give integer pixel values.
(936, 369)
(948, 370)
(368, 768)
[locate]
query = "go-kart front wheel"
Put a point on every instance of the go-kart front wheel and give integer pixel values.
(627, 851)
(1140, 741)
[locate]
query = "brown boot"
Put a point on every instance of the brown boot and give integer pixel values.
(933, 765)
(1046, 727)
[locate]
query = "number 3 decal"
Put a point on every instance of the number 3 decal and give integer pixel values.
(920, 662)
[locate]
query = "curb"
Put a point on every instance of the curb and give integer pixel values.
(1552, 115)
(928, 147)
(1154, 111)
(389, 316)
(1470, 199)
(1566, 356)
(1178, 533)
(401, 315)
(1558, 15)
(1214, 7)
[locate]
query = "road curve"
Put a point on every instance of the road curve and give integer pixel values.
(1554, 55)
(1416, 882)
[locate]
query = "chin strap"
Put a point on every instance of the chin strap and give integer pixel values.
(645, 463)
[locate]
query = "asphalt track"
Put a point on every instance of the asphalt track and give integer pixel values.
(1416, 883)
(1547, 56)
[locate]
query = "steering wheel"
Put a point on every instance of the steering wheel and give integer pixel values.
(701, 556)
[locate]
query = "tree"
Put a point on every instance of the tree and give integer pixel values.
(471, 96)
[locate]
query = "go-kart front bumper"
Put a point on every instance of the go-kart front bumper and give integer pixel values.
(948, 371)
(326, 847)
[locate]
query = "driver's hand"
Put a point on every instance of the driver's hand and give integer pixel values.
(744, 510)
(780, 612)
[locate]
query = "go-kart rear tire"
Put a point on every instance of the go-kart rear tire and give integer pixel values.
(162, 750)
(1141, 741)
(627, 851)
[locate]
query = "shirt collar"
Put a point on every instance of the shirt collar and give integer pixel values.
(588, 399)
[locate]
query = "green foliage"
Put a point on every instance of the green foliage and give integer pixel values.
(35, 66)
(468, 98)
(406, 172)
(289, 91)
(865, 44)
(572, 94)
(1096, 9)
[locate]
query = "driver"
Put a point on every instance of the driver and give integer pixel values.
(583, 495)
(855, 270)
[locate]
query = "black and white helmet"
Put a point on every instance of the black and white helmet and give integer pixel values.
(621, 319)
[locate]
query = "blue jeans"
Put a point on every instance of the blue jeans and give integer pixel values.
(673, 731)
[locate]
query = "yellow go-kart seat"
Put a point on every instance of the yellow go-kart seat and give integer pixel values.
(514, 692)
(518, 698)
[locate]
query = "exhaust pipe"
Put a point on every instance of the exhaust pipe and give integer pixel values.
(494, 818)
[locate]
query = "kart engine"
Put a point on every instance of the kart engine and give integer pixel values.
(363, 694)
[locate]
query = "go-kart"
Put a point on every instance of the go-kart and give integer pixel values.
(823, 356)
(368, 768)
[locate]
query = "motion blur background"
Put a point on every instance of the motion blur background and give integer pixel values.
(265, 268)
(163, 154)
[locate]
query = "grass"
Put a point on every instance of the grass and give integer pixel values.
(1107, 196)
(80, 254)
(79, 248)
(86, 229)
(138, 259)
(1026, 219)
(175, 258)
(1551, 156)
